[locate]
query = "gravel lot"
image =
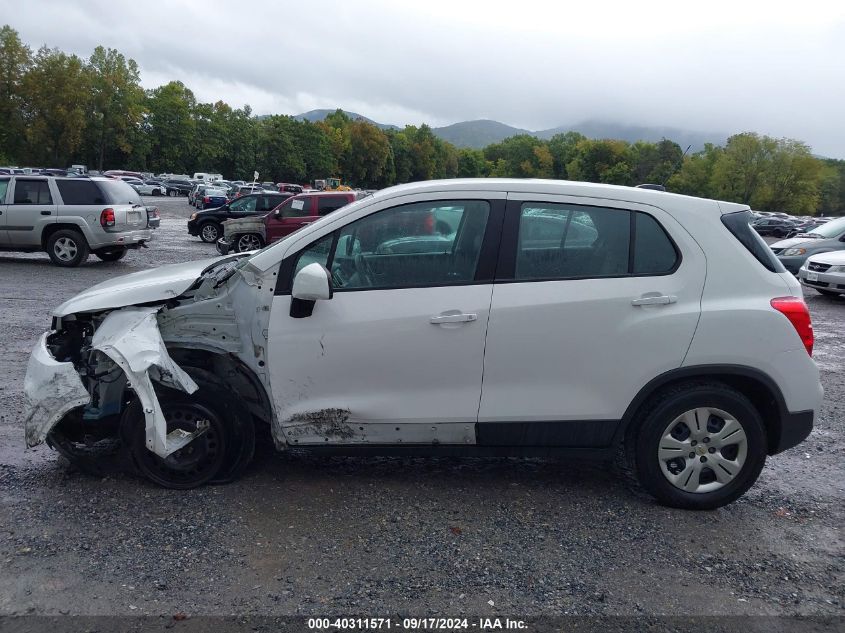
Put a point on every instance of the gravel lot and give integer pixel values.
(376, 537)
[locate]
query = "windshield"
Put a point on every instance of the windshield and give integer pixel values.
(834, 228)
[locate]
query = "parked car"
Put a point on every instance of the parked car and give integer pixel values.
(149, 188)
(774, 226)
(825, 272)
(806, 226)
(69, 218)
(243, 234)
(211, 198)
(289, 187)
(117, 173)
(793, 252)
(176, 187)
(633, 343)
(153, 217)
(207, 224)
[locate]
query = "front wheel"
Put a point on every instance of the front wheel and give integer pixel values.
(172, 193)
(698, 446)
(220, 452)
(209, 232)
(248, 242)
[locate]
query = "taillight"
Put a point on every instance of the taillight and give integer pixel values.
(206, 199)
(107, 217)
(794, 309)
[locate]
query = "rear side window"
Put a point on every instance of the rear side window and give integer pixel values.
(327, 204)
(80, 192)
(32, 192)
(118, 192)
(738, 225)
(564, 241)
(654, 252)
(4, 186)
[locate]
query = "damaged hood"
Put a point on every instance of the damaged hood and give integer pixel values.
(147, 286)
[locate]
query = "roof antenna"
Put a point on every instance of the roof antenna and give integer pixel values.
(676, 167)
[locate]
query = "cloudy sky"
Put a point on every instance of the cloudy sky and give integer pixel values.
(718, 66)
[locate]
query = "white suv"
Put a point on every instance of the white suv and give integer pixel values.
(460, 317)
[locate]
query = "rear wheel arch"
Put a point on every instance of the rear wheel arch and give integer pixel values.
(59, 226)
(755, 385)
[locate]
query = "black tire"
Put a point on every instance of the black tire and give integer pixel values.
(209, 232)
(172, 193)
(247, 242)
(67, 248)
(99, 458)
(156, 192)
(647, 432)
(218, 455)
(112, 255)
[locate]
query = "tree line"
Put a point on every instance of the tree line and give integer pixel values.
(57, 109)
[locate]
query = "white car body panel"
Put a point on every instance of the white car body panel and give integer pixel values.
(146, 286)
(578, 349)
(370, 367)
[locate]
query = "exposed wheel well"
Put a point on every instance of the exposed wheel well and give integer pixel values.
(234, 373)
(754, 385)
(52, 228)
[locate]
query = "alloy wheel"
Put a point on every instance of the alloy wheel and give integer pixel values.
(248, 242)
(65, 249)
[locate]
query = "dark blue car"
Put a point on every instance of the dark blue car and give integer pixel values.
(212, 198)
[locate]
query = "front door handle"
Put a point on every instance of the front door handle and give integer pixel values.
(654, 300)
(453, 318)
(46, 213)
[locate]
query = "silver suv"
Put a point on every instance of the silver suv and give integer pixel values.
(69, 218)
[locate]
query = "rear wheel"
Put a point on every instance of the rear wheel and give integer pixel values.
(209, 232)
(248, 242)
(172, 193)
(698, 446)
(67, 247)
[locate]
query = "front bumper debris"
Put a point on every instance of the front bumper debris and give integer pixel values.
(131, 338)
(52, 390)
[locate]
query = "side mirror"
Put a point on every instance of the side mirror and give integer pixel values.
(311, 284)
(277, 213)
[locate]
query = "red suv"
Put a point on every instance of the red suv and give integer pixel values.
(245, 234)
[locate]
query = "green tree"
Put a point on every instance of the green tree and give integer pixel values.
(601, 161)
(172, 128)
(57, 93)
(471, 163)
(116, 105)
(369, 159)
(564, 148)
(15, 60)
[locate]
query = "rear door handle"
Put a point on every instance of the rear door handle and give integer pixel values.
(46, 213)
(654, 300)
(453, 318)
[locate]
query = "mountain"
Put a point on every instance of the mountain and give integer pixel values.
(634, 133)
(319, 115)
(483, 132)
(476, 134)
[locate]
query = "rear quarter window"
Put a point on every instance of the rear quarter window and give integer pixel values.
(739, 226)
(80, 192)
(118, 192)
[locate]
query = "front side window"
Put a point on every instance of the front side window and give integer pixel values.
(295, 208)
(420, 244)
(32, 192)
